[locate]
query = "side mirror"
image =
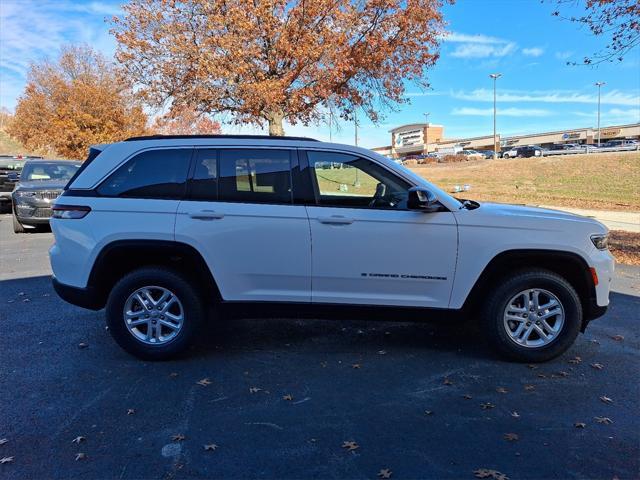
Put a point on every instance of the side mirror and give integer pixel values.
(13, 177)
(422, 199)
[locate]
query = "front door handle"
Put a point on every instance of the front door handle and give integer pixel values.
(206, 215)
(336, 220)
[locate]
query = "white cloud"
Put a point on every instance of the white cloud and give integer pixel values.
(612, 115)
(504, 112)
(613, 97)
(533, 52)
(479, 46)
(32, 30)
(564, 55)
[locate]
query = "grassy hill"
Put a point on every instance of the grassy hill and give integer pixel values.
(10, 146)
(605, 181)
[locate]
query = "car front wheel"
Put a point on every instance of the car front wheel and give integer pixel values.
(153, 313)
(533, 316)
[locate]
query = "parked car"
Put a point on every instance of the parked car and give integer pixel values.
(620, 144)
(524, 152)
(40, 183)
(159, 230)
(472, 154)
(488, 154)
(10, 168)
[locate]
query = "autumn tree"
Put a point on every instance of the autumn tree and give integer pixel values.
(616, 20)
(185, 121)
(274, 60)
(74, 102)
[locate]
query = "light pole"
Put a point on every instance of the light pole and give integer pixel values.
(330, 126)
(599, 85)
(426, 132)
(495, 77)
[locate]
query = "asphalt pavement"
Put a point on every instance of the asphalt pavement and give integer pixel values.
(421, 400)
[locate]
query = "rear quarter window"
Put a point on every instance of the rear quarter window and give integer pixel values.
(160, 174)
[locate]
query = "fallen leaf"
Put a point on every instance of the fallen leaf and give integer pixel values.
(173, 374)
(447, 381)
(178, 437)
(4, 460)
(488, 473)
(597, 366)
(512, 437)
(541, 375)
(83, 345)
(210, 446)
(204, 382)
(515, 414)
(579, 425)
(78, 439)
(563, 374)
(487, 406)
(26, 300)
(575, 360)
(382, 352)
(528, 388)
(3, 441)
(467, 396)
(385, 473)
(254, 389)
(287, 397)
(130, 411)
(356, 365)
(81, 456)
(617, 338)
(604, 420)
(532, 367)
(350, 445)
(606, 399)
(502, 390)
(428, 412)
(21, 294)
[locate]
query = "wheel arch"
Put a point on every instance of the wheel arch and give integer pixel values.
(119, 257)
(568, 265)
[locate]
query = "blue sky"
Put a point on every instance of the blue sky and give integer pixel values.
(518, 38)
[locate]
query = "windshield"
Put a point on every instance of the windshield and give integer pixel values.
(48, 171)
(11, 164)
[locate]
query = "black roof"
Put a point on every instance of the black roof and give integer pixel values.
(243, 137)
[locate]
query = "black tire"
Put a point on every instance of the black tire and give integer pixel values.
(17, 226)
(497, 302)
(194, 312)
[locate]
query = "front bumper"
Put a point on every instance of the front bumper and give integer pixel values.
(82, 297)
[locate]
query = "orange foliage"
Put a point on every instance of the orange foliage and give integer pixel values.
(275, 60)
(74, 103)
(185, 121)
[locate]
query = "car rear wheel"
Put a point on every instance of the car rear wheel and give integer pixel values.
(153, 313)
(533, 316)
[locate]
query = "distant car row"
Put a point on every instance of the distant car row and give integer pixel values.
(29, 186)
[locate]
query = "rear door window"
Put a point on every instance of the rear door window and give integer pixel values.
(254, 176)
(160, 174)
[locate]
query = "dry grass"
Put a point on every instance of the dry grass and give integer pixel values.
(608, 181)
(625, 246)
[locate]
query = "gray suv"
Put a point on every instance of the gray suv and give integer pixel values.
(40, 183)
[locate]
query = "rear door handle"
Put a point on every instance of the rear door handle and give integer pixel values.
(206, 215)
(336, 220)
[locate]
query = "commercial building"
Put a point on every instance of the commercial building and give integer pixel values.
(422, 138)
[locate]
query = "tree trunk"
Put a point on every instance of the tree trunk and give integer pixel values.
(275, 124)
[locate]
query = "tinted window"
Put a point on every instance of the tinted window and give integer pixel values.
(204, 184)
(255, 176)
(48, 171)
(350, 181)
(150, 174)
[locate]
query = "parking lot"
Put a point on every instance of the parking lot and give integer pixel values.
(279, 398)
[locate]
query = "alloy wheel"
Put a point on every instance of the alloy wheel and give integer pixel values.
(153, 315)
(533, 318)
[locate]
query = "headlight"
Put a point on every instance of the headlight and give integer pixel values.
(600, 241)
(24, 194)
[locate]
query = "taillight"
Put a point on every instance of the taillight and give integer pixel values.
(69, 211)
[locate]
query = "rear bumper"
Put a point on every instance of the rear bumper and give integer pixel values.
(82, 297)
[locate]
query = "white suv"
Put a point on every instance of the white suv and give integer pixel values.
(160, 229)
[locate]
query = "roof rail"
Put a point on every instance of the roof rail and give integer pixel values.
(244, 137)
